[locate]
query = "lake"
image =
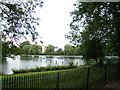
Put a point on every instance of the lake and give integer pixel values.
(32, 61)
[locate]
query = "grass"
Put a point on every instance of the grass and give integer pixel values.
(44, 82)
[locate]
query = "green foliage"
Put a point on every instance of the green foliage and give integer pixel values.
(59, 52)
(69, 50)
(109, 49)
(24, 43)
(49, 49)
(29, 49)
(15, 50)
(17, 18)
(71, 64)
(92, 49)
(40, 69)
(100, 22)
(5, 48)
(35, 49)
(26, 49)
(17, 21)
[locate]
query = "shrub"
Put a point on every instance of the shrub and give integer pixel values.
(39, 69)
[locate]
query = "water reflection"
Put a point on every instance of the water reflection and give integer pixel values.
(27, 62)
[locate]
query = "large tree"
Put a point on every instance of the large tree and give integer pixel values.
(35, 49)
(99, 20)
(50, 49)
(25, 43)
(17, 19)
(69, 50)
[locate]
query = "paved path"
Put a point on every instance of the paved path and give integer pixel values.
(115, 85)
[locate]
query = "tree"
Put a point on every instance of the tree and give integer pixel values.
(59, 51)
(35, 49)
(49, 49)
(17, 18)
(26, 49)
(25, 43)
(69, 50)
(13, 50)
(99, 20)
(5, 49)
(9, 48)
(92, 49)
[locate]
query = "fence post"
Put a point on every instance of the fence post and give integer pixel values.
(105, 74)
(88, 78)
(12, 82)
(58, 76)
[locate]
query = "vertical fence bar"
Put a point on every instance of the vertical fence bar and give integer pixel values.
(88, 74)
(32, 79)
(12, 86)
(18, 81)
(25, 79)
(38, 81)
(117, 72)
(2, 83)
(28, 84)
(24, 82)
(58, 81)
(15, 82)
(7, 82)
(105, 74)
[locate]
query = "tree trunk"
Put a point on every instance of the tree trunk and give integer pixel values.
(96, 61)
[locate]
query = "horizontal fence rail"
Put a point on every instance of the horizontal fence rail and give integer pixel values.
(91, 77)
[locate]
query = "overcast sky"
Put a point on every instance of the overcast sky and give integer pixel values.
(54, 20)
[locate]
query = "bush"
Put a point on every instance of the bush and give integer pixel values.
(71, 64)
(40, 69)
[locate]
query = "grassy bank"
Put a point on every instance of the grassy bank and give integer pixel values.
(47, 79)
(44, 72)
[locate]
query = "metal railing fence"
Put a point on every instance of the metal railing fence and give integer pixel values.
(90, 77)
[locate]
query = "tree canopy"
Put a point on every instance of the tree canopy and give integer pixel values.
(98, 20)
(17, 19)
(69, 49)
(50, 49)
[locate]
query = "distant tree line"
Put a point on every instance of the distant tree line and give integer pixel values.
(28, 49)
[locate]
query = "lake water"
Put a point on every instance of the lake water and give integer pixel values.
(27, 62)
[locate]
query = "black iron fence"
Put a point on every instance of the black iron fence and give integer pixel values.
(90, 77)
